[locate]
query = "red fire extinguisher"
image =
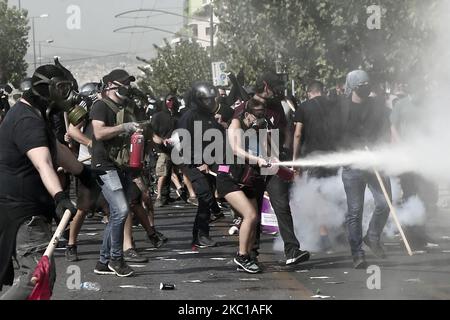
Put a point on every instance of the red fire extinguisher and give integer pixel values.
(137, 150)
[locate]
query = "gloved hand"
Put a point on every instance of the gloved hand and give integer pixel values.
(130, 127)
(88, 176)
(63, 203)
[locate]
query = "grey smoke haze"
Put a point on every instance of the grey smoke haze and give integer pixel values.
(96, 38)
(424, 149)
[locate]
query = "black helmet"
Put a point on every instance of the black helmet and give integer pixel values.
(204, 96)
(89, 89)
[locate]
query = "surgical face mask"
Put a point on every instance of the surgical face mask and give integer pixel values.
(363, 91)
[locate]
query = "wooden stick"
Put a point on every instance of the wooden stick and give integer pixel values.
(393, 211)
(85, 159)
(55, 239)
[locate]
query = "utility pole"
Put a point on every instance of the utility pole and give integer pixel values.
(211, 28)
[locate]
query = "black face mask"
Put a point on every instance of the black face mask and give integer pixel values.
(363, 91)
(124, 92)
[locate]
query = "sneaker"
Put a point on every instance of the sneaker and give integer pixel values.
(247, 264)
(131, 255)
(71, 253)
(161, 236)
(102, 268)
(156, 240)
(193, 201)
(375, 247)
(159, 203)
(204, 242)
(120, 268)
(181, 193)
(216, 216)
(297, 256)
(359, 262)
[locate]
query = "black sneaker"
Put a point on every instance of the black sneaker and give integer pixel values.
(156, 241)
(359, 262)
(297, 256)
(375, 247)
(204, 242)
(216, 216)
(102, 268)
(247, 264)
(131, 255)
(161, 236)
(71, 253)
(120, 268)
(181, 193)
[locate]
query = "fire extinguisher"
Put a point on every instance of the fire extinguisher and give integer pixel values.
(137, 150)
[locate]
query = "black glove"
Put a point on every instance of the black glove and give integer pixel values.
(88, 177)
(63, 203)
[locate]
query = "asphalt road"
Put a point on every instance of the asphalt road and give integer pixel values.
(210, 274)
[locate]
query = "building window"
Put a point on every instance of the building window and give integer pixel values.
(207, 31)
(195, 30)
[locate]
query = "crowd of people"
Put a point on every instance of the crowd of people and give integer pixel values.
(57, 129)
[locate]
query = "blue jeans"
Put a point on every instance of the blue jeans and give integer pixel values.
(112, 189)
(355, 182)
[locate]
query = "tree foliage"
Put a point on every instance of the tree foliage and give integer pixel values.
(14, 43)
(324, 39)
(176, 67)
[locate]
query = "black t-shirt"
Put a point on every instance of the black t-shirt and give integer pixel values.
(319, 130)
(22, 130)
(22, 192)
(163, 124)
(101, 112)
(364, 124)
(206, 121)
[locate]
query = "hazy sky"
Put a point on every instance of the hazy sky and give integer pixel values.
(96, 36)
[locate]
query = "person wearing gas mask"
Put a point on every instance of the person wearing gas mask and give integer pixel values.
(278, 188)
(201, 109)
(30, 191)
(364, 122)
(241, 184)
(110, 134)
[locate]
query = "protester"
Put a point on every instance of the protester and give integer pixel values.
(30, 192)
(364, 123)
(200, 114)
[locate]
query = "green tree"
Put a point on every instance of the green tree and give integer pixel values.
(176, 67)
(13, 36)
(324, 39)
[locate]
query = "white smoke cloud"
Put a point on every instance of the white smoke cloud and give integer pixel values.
(322, 202)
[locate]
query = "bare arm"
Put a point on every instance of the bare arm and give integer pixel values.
(102, 132)
(76, 134)
(42, 161)
(297, 140)
(67, 160)
(157, 139)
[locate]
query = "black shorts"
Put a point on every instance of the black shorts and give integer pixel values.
(225, 184)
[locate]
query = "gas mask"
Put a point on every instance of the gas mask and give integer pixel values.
(260, 122)
(62, 97)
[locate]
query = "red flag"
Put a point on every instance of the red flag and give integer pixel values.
(42, 289)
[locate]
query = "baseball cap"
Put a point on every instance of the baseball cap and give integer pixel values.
(119, 75)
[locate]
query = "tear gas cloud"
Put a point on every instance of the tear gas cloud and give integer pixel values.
(424, 149)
